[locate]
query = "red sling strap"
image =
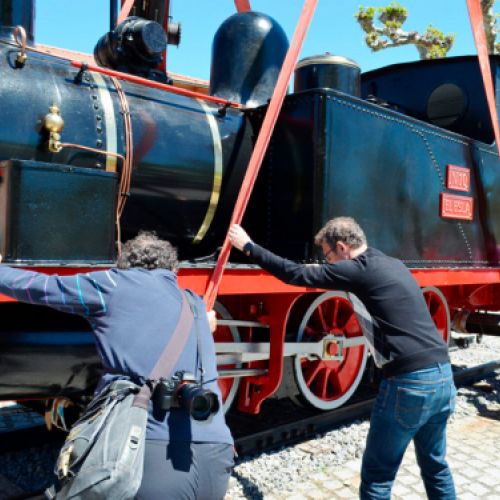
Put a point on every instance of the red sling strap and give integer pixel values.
(261, 144)
(477, 23)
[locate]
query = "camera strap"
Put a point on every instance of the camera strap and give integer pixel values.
(199, 352)
(171, 353)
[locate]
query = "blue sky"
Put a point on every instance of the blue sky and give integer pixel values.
(77, 25)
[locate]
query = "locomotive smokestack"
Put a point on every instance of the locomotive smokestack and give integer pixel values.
(17, 13)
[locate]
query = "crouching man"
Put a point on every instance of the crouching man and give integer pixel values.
(133, 311)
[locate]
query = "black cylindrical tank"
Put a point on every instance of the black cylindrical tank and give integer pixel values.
(247, 54)
(189, 159)
(328, 71)
(17, 13)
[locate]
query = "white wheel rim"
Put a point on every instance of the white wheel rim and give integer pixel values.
(301, 382)
(235, 334)
(444, 302)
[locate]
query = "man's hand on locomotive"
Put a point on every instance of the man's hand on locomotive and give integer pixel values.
(240, 239)
(212, 320)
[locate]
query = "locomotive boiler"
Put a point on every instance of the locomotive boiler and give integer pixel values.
(188, 153)
(91, 154)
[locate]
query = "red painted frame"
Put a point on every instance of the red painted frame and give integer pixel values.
(254, 286)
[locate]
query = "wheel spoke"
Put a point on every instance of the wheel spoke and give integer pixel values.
(335, 381)
(336, 308)
(433, 307)
(351, 327)
(321, 316)
(428, 300)
(437, 306)
(322, 384)
(311, 371)
(310, 332)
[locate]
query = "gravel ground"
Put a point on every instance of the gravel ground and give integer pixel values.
(278, 472)
(275, 472)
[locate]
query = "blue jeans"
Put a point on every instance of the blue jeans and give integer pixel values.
(414, 405)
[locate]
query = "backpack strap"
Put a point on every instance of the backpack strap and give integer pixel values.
(170, 354)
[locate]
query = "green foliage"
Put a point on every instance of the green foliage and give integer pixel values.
(442, 43)
(365, 14)
(393, 16)
(431, 45)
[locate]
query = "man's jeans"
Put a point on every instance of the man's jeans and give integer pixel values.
(414, 405)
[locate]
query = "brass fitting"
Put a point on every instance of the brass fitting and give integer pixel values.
(54, 123)
(20, 38)
(21, 59)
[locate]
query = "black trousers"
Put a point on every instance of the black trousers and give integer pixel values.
(186, 471)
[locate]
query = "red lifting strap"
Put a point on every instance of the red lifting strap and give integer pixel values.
(125, 12)
(262, 143)
(242, 5)
(476, 20)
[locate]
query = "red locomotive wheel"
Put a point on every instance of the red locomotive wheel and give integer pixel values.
(440, 312)
(328, 384)
(228, 386)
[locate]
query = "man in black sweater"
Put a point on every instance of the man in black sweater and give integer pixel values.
(417, 394)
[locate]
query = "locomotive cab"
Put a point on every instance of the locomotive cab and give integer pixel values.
(442, 92)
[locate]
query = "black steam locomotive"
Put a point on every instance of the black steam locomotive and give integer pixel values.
(407, 150)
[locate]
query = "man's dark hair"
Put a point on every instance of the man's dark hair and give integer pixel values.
(148, 251)
(344, 229)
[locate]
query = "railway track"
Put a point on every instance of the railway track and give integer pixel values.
(307, 427)
(279, 424)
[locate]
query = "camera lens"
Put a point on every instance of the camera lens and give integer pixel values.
(200, 407)
(198, 401)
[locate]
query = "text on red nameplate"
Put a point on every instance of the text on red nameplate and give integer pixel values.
(454, 206)
(457, 178)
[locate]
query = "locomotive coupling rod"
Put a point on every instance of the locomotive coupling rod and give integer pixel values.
(329, 348)
(242, 323)
(242, 372)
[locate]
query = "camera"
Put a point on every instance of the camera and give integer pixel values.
(182, 390)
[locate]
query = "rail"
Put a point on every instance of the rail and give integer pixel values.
(305, 428)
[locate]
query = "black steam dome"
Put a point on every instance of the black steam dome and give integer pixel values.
(247, 54)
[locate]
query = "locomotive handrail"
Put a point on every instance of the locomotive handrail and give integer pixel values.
(156, 85)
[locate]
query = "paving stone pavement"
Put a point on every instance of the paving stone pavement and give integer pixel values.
(473, 455)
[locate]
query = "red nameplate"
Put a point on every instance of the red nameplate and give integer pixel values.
(454, 206)
(457, 178)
